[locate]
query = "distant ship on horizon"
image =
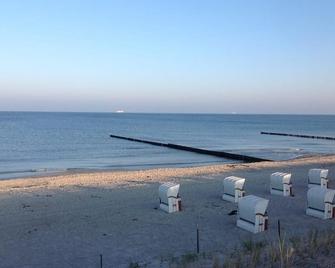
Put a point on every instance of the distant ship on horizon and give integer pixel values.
(119, 111)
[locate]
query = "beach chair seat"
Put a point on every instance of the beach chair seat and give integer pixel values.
(169, 199)
(252, 213)
(318, 177)
(233, 189)
(280, 184)
(321, 203)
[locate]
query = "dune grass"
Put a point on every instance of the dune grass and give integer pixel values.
(316, 249)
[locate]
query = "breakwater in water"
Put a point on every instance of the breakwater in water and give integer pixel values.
(222, 154)
(299, 136)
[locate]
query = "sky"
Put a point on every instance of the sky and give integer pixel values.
(224, 56)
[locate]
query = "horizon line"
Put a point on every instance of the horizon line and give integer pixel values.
(186, 113)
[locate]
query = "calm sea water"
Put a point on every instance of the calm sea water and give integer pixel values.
(35, 143)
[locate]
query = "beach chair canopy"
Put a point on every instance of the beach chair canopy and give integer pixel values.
(232, 183)
(251, 205)
(280, 178)
(317, 197)
(167, 190)
(315, 175)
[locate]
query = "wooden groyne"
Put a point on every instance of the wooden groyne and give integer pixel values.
(222, 154)
(299, 136)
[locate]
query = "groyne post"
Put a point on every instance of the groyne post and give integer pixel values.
(198, 245)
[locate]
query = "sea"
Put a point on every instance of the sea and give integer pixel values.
(39, 143)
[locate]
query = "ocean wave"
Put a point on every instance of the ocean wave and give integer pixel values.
(38, 170)
(17, 171)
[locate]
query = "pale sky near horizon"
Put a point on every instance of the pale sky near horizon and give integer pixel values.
(168, 56)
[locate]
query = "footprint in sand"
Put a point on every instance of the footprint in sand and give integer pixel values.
(30, 231)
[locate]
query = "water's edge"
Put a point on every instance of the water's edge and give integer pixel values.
(35, 174)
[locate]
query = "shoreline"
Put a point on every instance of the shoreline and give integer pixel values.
(114, 178)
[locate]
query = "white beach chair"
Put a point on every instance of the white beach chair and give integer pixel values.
(169, 199)
(321, 203)
(280, 184)
(252, 213)
(233, 188)
(318, 177)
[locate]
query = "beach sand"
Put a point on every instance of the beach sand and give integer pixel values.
(69, 220)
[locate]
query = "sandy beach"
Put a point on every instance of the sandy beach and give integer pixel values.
(69, 220)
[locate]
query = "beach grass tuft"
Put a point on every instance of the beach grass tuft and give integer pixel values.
(282, 253)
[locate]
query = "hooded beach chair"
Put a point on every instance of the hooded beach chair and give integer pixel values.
(252, 213)
(280, 184)
(318, 177)
(321, 203)
(233, 188)
(169, 199)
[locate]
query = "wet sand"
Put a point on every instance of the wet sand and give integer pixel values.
(69, 220)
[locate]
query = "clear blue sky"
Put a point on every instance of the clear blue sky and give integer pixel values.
(168, 56)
